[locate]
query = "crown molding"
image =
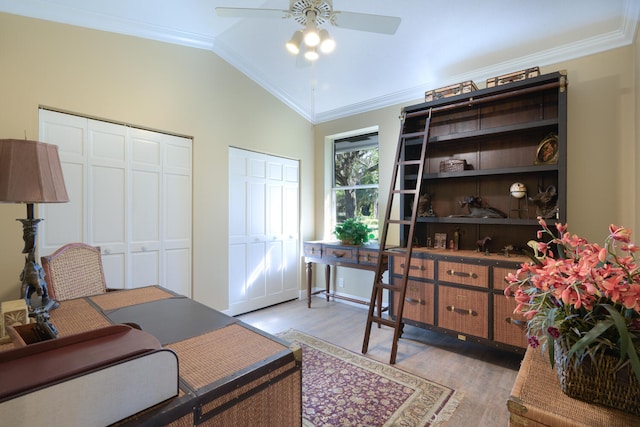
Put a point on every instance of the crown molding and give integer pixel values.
(50, 11)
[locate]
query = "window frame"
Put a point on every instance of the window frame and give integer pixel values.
(333, 188)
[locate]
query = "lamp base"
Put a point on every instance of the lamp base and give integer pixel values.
(32, 275)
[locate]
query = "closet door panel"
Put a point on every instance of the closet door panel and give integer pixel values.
(290, 212)
(290, 268)
(144, 245)
(273, 261)
(64, 222)
(114, 266)
(275, 211)
(107, 196)
(255, 273)
(177, 210)
(145, 208)
(237, 281)
(144, 268)
(107, 206)
(178, 270)
(176, 197)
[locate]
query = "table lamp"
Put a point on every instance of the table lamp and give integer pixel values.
(30, 172)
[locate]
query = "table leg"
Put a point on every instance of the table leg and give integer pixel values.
(327, 279)
(309, 275)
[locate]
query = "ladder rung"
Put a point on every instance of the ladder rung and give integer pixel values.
(386, 286)
(395, 252)
(383, 321)
(412, 134)
(405, 191)
(399, 221)
(409, 162)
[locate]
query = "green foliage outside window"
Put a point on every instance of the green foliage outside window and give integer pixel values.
(356, 181)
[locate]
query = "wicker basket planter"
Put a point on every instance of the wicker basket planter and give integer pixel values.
(597, 382)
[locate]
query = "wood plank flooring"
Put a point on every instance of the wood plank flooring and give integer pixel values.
(483, 374)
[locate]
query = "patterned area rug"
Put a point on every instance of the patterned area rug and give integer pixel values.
(342, 388)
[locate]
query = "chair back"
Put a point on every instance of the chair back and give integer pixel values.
(74, 271)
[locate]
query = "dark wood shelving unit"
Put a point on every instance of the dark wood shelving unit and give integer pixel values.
(497, 132)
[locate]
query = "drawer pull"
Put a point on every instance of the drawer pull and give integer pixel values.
(515, 322)
(414, 301)
(368, 257)
(462, 274)
(337, 254)
(413, 267)
(464, 311)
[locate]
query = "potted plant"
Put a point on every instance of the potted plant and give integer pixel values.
(353, 232)
(582, 303)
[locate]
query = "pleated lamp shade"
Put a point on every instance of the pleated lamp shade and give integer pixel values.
(30, 172)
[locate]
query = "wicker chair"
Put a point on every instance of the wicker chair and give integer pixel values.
(74, 271)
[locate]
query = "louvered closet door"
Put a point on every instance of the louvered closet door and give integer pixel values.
(263, 230)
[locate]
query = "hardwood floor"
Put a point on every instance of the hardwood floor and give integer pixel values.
(483, 374)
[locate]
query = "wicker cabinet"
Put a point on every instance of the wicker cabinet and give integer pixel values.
(463, 296)
(496, 159)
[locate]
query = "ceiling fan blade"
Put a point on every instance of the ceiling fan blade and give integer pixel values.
(365, 22)
(235, 12)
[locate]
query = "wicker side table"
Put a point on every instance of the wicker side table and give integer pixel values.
(537, 400)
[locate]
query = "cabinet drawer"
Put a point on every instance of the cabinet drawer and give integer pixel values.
(463, 310)
(499, 274)
(508, 328)
(464, 274)
(421, 268)
(367, 256)
(339, 254)
(419, 303)
(312, 250)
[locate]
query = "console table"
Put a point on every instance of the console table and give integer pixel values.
(230, 373)
(334, 253)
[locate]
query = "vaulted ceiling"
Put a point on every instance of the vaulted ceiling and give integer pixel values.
(438, 42)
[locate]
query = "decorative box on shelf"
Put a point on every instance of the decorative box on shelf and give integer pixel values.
(453, 165)
(451, 90)
(513, 77)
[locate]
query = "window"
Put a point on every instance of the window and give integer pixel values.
(355, 179)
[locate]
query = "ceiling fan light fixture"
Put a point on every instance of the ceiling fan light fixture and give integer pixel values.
(311, 34)
(293, 45)
(327, 44)
(311, 55)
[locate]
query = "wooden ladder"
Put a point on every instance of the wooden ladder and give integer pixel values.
(404, 250)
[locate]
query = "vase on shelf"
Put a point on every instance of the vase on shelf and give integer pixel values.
(598, 380)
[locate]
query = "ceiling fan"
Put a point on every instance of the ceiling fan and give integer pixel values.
(311, 14)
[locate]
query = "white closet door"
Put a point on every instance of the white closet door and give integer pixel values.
(107, 196)
(130, 192)
(146, 177)
(64, 222)
(263, 230)
(176, 208)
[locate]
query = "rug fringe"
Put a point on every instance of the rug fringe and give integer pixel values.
(445, 414)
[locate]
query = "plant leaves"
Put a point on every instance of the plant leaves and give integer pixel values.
(622, 330)
(590, 336)
(626, 343)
